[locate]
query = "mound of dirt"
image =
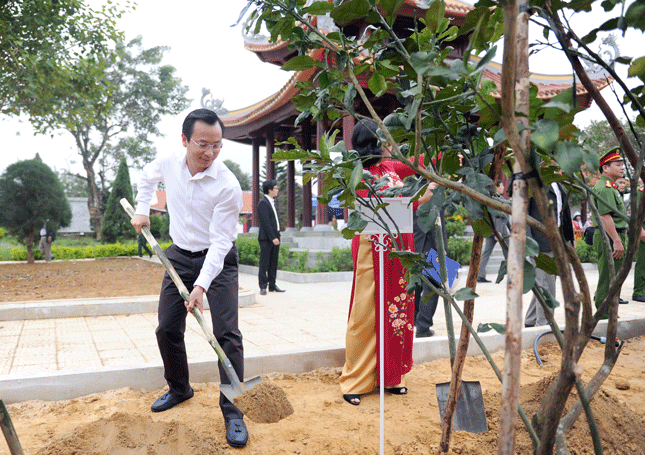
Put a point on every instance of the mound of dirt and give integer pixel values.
(120, 421)
(266, 402)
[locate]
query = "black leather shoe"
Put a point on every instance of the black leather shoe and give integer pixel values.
(424, 333)
(482, 280)
(236, 434)
(623, 302)
(639, 298)
(276, 289)
(263, 292)
(170, 399)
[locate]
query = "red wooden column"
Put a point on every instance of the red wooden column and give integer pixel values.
(348, 131)
(255, 186)
(270, 165)
(307, 214)
(291, 196)
(321, 210)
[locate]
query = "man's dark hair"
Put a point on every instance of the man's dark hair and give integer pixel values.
(366, 142)
(268, 185)
(205, 115)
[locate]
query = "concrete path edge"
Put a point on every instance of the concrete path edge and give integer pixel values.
(68, 385)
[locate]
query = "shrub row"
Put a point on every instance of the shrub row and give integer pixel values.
(83, 252)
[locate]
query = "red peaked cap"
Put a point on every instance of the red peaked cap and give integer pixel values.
(610, 156)
(434, 160)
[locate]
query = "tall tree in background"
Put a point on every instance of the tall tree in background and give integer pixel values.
(41, 45)
(116, 224)
(31, 194)
(140, 92)
(242, 177)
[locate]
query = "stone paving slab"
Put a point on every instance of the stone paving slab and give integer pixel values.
(299, 330)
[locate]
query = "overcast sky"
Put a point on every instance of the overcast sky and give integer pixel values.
(208, 52)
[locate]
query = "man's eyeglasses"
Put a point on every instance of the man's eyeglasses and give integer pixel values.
(205, 145)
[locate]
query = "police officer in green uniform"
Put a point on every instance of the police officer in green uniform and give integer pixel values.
(639, 268)
(611, 169)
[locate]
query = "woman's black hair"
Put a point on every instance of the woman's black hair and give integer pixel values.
(366, 142)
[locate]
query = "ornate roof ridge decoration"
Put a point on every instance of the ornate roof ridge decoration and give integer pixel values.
(548, 85)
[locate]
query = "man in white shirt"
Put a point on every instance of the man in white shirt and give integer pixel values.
(269, 238)
(204, 201)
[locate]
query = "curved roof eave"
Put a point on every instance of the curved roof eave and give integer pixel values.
(410, 8)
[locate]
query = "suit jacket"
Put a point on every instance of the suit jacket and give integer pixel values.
(268, 225)
(566, 226)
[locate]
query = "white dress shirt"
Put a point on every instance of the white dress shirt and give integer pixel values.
(203, 208)
(275, 212)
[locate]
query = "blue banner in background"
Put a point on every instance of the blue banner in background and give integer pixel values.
(433, 268)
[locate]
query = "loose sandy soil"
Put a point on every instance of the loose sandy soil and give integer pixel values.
(119, 422)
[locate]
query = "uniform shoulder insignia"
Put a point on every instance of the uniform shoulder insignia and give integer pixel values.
(609, 184)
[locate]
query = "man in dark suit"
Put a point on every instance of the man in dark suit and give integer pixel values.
(269, 238)
(424, 311)
(555, 192)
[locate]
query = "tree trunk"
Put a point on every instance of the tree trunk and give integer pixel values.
(94, 200)
(515, 79)
(30, 248)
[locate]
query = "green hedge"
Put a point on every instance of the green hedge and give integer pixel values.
(586, 253)
(83, 252)
(340, 259)
(460, 249)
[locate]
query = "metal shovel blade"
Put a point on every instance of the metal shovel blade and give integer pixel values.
(231, 393)
(470, 414)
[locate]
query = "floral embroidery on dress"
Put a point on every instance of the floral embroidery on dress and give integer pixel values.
(397, 312)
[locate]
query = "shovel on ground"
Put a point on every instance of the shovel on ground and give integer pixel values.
(236, 387)
(470, 414)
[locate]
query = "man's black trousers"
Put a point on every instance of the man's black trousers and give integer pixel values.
(268, 267)
(223, 301)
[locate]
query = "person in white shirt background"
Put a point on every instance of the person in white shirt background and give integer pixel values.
(204, 201)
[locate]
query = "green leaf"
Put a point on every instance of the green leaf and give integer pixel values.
(356, 177)
(502, 272)
(391, 6)
(350, 11)
(529, 277)
(546, 134)
(377, 84)
(481, 66)
(288, 155)
(481, 228)
(319, 8)
(435, 15)
(299, 63)
(569, 156)
(499, 328)
(531, 248)
(555, 104)
(465, 294)
(551, 302)
(546, 263)
(637, 68)
(355, 221)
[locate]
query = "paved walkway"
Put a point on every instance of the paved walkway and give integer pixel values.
(307, 316)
